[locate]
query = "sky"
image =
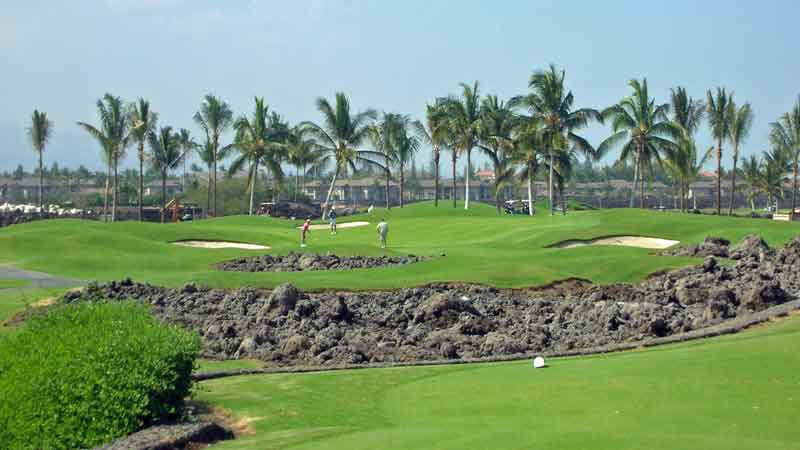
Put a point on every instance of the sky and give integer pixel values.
(60, 56)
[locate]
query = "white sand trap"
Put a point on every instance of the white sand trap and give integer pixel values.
(626, 241)
(338, 225)
(221, 244)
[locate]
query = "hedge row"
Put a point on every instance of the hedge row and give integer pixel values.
(84, 374)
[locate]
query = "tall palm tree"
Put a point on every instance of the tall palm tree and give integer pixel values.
(112, 135)
(303, 152)
(751, 170)
(687, 113)
(528, 148)
(215, 116)
(143, 123)
(551, 106)
(719, 120)
(775, 165)
(642, 127)
(497, 123)
(260, 140)
(339, 135)
(434, 133)
(741, 119)
(165, 155)
(382, 137)
(406, 146)
(39, 133)
(464, 114)
(187, 145)
(785, 134)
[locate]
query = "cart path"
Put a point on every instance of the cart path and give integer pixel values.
(37, 279)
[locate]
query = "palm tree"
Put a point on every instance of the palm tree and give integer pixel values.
(382, 136)
(785, 134)
(113, 138)
(303, 152)
(143, 122)
(260, 140)
(687, 113)
(464, 114)
(643, 128)
(528, 146)
(719, 120)
(39, 133)
(406, 146)
(187, 145)
(741, 119)
(434, 133)
(550, 106)
(497, 123)
(214, 116)
(339, 135)
(774, 167)
(165, 148)
(751, 170)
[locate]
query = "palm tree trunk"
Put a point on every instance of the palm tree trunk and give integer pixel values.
(794, 185)
(163, 194)
(550, 182)
(105, 194)
(214, 158)
(402, 183)
(733, 180)
(641, 183)
(531, 188)
(115, 191)
(41, 185)
(466, 181)
(330, 191)
(296, 181)
(436, 177)
(304, 178)
(141, 178)
(208, 197)
(388, 175)
(719, 176)
(253, 177)
(635, 179)
(453, 193)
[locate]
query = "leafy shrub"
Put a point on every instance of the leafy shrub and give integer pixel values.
(84, 374)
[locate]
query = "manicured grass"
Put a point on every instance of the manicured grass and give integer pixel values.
(480, 246)
(14, 302)
(734, 392)
(7, 284)
(207, 365)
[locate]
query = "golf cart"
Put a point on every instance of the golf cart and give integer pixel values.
(516, 207)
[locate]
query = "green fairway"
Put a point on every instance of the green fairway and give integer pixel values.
(480, 246)
(734, 392)
(9, 284)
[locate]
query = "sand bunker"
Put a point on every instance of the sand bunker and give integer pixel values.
(221, 244)
(338, 225)
(627, 241)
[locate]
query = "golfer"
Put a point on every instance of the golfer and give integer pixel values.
(332, 219)
(305, 230)
(383, 230)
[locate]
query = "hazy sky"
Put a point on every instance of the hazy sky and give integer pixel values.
(61, 56)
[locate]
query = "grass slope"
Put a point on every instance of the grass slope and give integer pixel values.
(480, 246)
(734, 392)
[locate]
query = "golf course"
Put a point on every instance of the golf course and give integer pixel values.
(739, 391)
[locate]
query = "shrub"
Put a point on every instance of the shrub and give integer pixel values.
(83, 374)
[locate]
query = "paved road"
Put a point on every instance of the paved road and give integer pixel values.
(36, 279)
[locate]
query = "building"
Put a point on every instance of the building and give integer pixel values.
(153, 188)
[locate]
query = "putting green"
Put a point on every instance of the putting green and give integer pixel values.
(480, 246)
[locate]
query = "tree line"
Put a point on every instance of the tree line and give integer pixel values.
(532, 134)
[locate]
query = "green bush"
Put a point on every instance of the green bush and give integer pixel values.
(84, 374)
